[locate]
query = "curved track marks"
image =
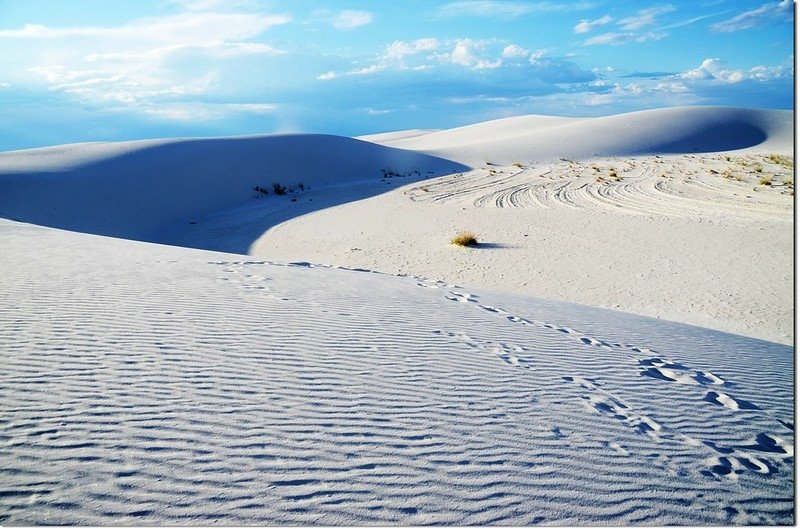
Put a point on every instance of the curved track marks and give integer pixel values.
(679, 186)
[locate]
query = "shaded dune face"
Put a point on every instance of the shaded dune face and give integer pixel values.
(132, 190)
(717, 137)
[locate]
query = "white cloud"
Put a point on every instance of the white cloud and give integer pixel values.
(145, 59)
(673, 88)
(776, 12)
(252, 108)
(616, 39)
(513, 51)
(585, 26)
(399, 49)
(183, 28)
(644, 18)
(467, 53)
(212, 49)
(208, 5)
(506, 9)
(713, 69)
(351, 19)
(327, 76)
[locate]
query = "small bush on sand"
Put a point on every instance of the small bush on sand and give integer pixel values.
(279, 189)
(765, 181)
(779, 159)
(465, 238)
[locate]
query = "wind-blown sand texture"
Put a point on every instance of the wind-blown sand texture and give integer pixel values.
(152, 384)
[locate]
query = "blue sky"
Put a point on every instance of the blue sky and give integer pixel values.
(94, 70)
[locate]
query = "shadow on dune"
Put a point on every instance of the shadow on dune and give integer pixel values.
(715, 138)
(143, 190)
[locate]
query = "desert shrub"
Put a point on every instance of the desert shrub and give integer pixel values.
(465, 238)
(765, 181)
(780, 159)
(261, 191)
(278, 188)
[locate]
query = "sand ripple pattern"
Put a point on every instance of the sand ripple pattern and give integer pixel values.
(749, 186)
(150, 385)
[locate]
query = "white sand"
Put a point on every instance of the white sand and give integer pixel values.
(147, 384)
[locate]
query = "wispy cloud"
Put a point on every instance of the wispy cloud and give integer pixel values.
(617, 39)
(629, 28)
(146, 59)
(400, 49)
(506, 9)
(644, 18)
(351, 19)
(585, 26)
(772, 13)
(342, 20)
(180, 28)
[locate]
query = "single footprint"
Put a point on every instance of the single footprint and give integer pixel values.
(671, 371)
(721, 399)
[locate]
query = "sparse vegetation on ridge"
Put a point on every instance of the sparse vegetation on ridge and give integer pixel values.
(279, 189)
(782, 160)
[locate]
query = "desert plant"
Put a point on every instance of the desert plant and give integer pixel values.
(465, 238)
(389, 173)
(261, 191)
(517, 164)
(278, 188)
(780, 159)
(765, 181)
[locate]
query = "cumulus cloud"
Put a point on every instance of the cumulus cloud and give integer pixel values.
(713, 69)
(771, 13)
(514, 51)
(469, 53)
(585, 26)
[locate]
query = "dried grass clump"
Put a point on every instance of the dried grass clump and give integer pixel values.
(465, 238)
(765, 181)
(780, 159)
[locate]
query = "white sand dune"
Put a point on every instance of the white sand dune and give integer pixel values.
(148, 384)
(663, 131)
(144, 384)
(136, 189)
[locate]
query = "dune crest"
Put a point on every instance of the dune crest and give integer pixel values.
(679, 130)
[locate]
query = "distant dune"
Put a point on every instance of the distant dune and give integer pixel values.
(662, 131)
